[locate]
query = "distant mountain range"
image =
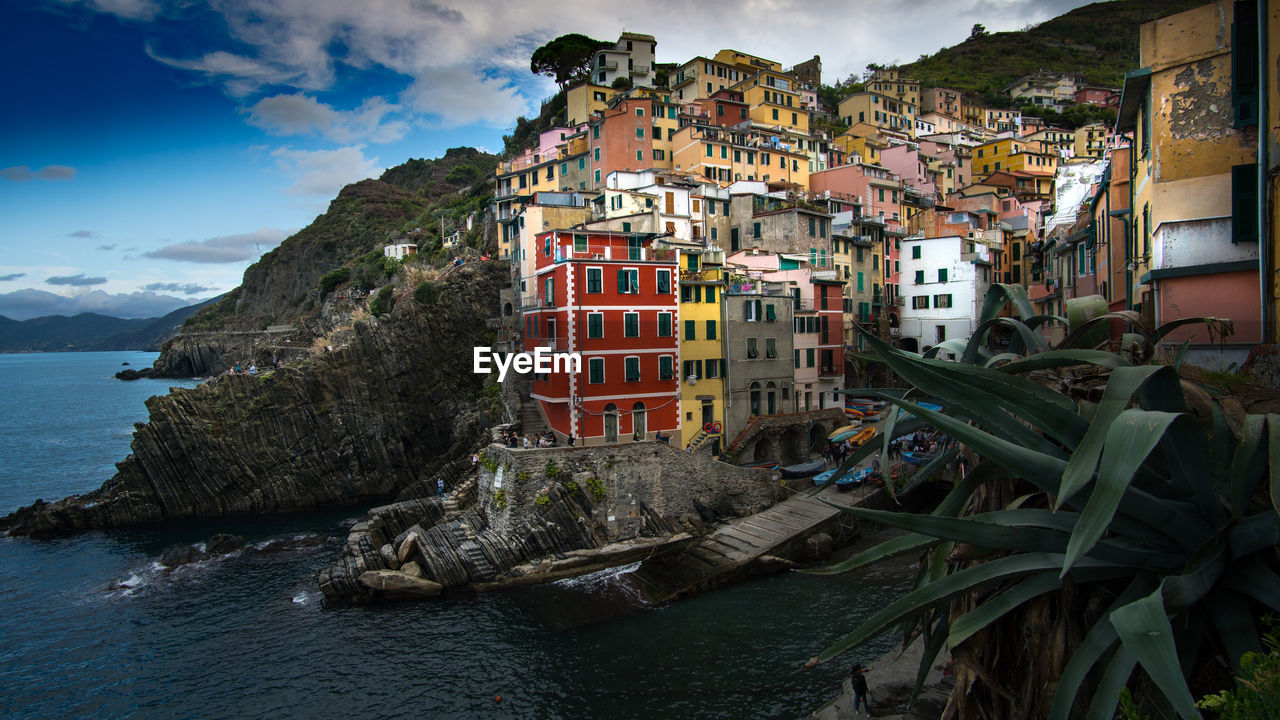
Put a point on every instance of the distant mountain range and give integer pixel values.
(90, 331)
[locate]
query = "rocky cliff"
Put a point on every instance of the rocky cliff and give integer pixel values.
(392, 402)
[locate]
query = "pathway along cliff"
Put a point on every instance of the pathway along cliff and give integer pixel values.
(371, 420)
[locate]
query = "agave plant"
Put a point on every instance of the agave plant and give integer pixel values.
(1090, 539)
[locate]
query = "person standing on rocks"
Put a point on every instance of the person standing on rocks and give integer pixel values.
(859, 682)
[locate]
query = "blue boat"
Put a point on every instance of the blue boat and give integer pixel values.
(857, 478)
(916, 458)
(802, 470)
(927, 406)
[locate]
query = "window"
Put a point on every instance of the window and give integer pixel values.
(666, 367)
(640, 113)
(691, 330)
(769, 314)
(564, 169)
(813, 229)
(1244, 65)
(595, 280)
(942, 301)
(664, 324)
(941, 332)
(919, 277)
(632, 369)
(808, 357)
(582, 163)
(751, 308)
(942, 275)
(629, 281)
(1244, 203)
(920, 302)
(595, 325)
(664, 281)
(755, 230)
(711, 295)
(771, 347)
(1017, 252)
(822, 297)
(753, 351)
(596, 154)
(595, 132)
(713, 368)
(595, 370)
(692, 368)
(797, 360)
(631, 324)
(915, 252)
(711, 329)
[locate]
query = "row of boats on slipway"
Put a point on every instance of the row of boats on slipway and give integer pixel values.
(858, 411)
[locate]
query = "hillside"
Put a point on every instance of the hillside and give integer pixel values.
(281, 286)
(89, 331)
(1097, 42)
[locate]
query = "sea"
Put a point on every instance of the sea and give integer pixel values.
(92, 625)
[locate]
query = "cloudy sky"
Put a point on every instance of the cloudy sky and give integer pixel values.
(150, 150)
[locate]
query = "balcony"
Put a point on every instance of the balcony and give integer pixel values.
(607, 65)
(828, 371)
(570, 251)
(803, 306)
(536, 302)
(639, 70)
(552, 344)
(707, 275)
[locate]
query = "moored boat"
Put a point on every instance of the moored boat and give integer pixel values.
(802, 470)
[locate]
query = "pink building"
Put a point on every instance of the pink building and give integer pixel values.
(908, 164)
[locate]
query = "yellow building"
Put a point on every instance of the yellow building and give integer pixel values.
(746, 63)
(1091, 141)
(1012, 155)
(884, 112)
(1195, 179)
(701, 77)
(888, 81)
(862, 139)
(586, 101)
(726, 155)
(772, 101)
(701, 346)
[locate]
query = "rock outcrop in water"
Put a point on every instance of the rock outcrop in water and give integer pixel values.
(360, 423)
(524, 516)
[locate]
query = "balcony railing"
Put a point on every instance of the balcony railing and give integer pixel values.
(570, 251)
(553, 344)
(708, 275)
(639, 70)
(533, 302)
(802, 306)
(608, 65)
(828, 371)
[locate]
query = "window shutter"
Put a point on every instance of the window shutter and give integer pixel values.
(1244, 203)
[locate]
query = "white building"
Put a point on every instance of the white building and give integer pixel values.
(400, 251)
(631, 57)
(943, 282)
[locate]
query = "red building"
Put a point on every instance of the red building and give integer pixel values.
(1100, 96)
(612, 298)
(724, 107)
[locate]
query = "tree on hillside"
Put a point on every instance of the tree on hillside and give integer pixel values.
(566, 58)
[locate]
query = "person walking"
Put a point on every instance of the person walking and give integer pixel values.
(859, 682)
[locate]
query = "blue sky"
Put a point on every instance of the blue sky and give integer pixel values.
(151, 150)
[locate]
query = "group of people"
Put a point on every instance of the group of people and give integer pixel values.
(253, 368)
(925, 441)
(513, 439)
(836, 452)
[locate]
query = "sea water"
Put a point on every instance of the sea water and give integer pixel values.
(92, 626)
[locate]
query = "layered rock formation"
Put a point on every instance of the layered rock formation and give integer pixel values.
(535, 515)
(360, 423)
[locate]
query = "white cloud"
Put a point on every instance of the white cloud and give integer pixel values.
(325, 172)
(457, 96)
(298, 114)
(23, 173)
(224, 249)
(29, 303)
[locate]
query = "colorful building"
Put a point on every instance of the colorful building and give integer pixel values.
(612, 298)
(1194, 178)
(702, 350)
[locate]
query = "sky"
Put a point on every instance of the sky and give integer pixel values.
(151, 150)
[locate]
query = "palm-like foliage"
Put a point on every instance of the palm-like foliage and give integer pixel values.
(1090, 539)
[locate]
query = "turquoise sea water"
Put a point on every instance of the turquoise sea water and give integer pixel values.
(92, 627)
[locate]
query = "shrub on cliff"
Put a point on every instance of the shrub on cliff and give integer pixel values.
(333, 279)
(383, 301)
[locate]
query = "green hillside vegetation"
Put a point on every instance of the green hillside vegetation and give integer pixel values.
(407, 202)
(89, 331)
(1097, 43)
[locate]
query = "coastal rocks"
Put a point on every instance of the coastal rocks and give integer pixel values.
(182, 554)
(358, 424)
(524, 516)
(399, 586)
